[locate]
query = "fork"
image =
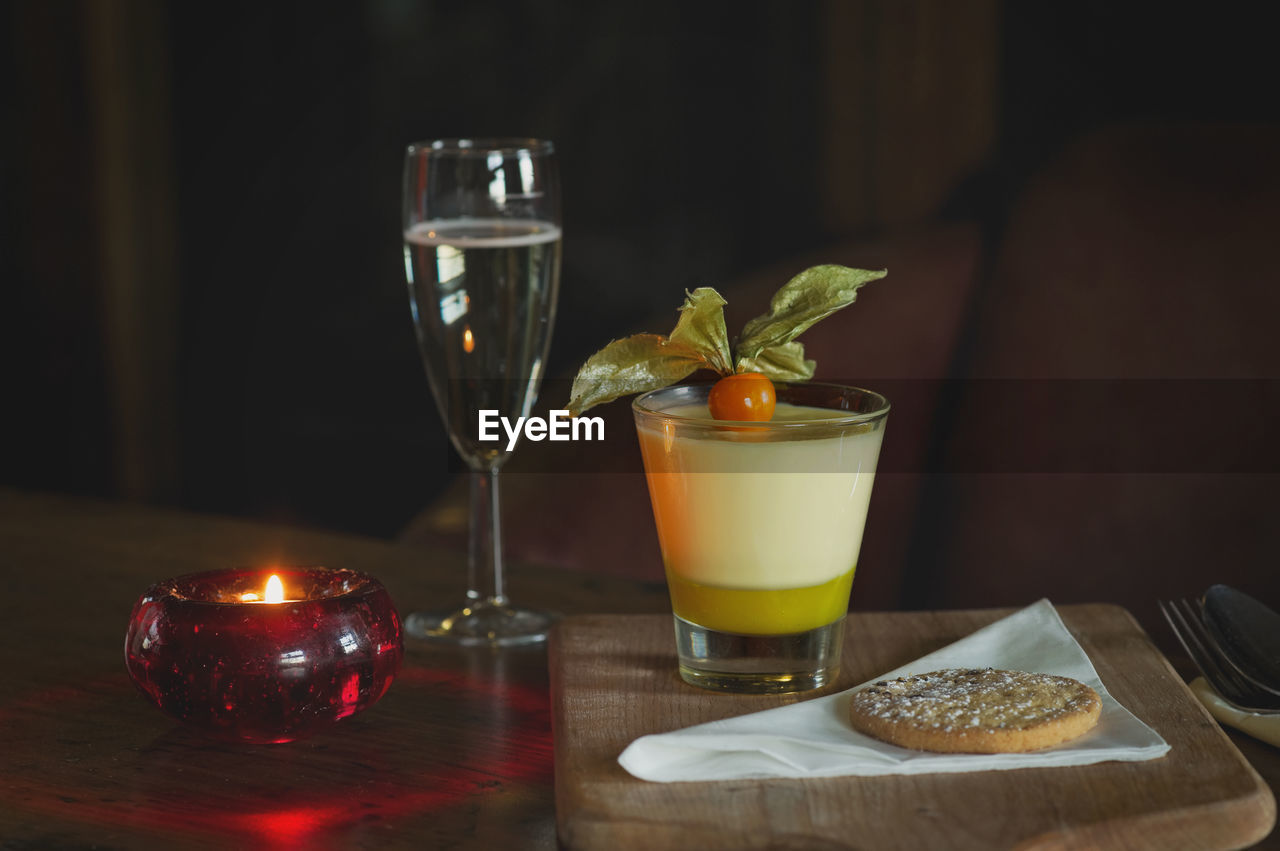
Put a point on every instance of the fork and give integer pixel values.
(1184, 619)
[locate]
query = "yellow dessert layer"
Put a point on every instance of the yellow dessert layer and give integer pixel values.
(756, 611)
(765, 515)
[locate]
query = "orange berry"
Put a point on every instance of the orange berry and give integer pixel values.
(745, 396)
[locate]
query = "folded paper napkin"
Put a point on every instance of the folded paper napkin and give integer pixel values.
(815, 739)
(1264, 727)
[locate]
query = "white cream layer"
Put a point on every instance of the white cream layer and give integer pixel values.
(756, 515)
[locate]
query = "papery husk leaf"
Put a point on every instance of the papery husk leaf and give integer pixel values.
(635, 364)
(701, 327)
(781, 363)
(810, 296)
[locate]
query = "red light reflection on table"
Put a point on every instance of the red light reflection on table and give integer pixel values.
(290, 828)
(132, 788)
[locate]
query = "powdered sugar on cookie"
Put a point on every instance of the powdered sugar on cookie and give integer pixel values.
(975, 710)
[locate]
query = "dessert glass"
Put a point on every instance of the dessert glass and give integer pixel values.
(760, 524)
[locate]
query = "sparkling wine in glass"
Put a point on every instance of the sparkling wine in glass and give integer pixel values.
(482, 260)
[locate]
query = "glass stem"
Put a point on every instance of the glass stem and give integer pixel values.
(484, 562)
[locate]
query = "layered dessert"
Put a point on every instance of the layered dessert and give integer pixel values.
(759, 481)
(760, 525)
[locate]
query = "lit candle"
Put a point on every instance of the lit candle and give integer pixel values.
(229, 653)
(273, 593)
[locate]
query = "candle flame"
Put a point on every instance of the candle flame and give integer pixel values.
(275, 590)
(468, 340)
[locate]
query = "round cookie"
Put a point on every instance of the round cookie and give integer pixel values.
(974, 710)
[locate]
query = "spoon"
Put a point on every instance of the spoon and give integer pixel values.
(1248, 633)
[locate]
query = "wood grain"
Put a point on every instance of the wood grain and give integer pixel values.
(613, 679)
(458, 753)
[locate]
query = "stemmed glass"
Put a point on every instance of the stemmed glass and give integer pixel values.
(482, 259)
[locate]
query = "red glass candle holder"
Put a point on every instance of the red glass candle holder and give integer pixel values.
(209, 650)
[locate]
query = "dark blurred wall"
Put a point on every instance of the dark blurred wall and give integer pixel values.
(51, 340)
(1073, 67)
(697, 141)
(687, 136)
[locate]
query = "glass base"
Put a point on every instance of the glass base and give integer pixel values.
(758, 664)
(481, 624)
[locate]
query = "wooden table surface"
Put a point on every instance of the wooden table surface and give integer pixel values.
(457, 755)
(612, 682)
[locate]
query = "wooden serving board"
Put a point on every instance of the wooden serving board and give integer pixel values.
(613, 678)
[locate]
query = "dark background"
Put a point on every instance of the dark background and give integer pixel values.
(263, 155)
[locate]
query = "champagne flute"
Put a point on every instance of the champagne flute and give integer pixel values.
(482, 259)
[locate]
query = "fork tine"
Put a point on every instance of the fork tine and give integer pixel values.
(1243, 689)
(1174, 620)
(1266, 691)
(1197, 651)
(1208, 657)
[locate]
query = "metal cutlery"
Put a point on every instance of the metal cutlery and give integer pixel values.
(1186, 620)
(1247, 632)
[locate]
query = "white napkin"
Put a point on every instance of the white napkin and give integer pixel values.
(815, 739)
(1264, 727)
